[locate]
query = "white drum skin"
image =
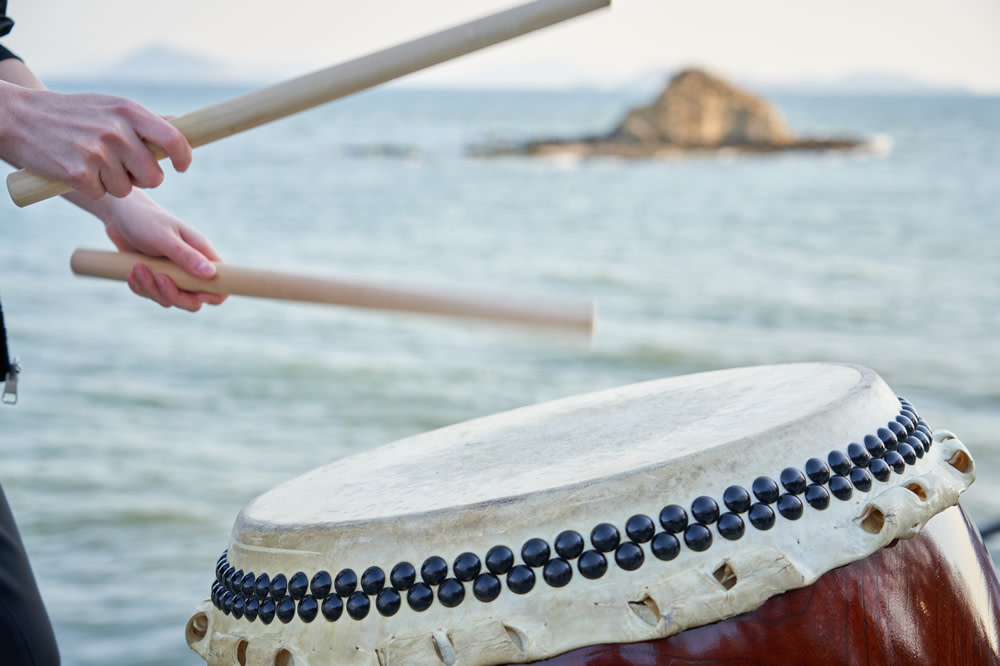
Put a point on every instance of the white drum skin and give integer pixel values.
(585, 465)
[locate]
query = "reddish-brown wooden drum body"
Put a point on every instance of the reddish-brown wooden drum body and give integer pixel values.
(934, 600)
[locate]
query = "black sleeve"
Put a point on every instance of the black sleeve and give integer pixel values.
(5, 25)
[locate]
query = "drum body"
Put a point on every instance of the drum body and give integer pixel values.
(933, 599)
(591, 529)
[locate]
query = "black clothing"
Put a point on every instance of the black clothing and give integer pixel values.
(5, 25)
(26, 637)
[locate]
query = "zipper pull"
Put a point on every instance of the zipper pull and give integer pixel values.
(9, 395)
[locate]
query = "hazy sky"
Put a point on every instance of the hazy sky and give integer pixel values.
(954, 42)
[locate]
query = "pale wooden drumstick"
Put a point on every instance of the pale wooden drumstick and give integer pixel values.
(244, 281)
(284, 99)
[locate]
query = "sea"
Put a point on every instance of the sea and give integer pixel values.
(140, 432)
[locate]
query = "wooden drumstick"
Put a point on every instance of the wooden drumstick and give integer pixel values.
(284, 99)
(244, 281)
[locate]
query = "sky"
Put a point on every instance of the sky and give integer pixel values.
(951, 43)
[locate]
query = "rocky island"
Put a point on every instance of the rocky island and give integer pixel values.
(697, 113)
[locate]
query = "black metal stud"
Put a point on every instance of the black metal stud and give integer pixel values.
(908, 425)
(499, 560)
(247, 585)
(605, 537)
(875, 446)
(251, 608)
(557, 572)
(674, 518)
(266, 610)
(535, 552)
(761, 516)
(731, 526)
(420, 596)
(467, 566)
(640, 528)
(817, 496)
(698, 537)
(521, 579)
(372, 580)
(321, 584)
(908, 452)
(860, 479)
(665, 546)
(705, 510)
(239, 603)
(387, 602)
(817, 471)
(880, 469)
(592, 564)
(402, 576)
(262, 586)
(434, 570)
(859, 455)
(236, 582)
(888, 438)
(332, 607)
(346, 582)
(916, 445)
(569, 544)
(923, 438)
(279, 587)
(898, 430)
(298, 585)
(451, 592)
(790, 506)
(629, 556)
(841, 487)
(487, 587)
(793, 480)
(358, 605)
(839, 463)
(284, 608)
(765, 489)
(308, 608)
(895, 461)
(736, 499)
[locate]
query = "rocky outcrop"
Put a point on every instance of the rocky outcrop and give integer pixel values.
(696, 113)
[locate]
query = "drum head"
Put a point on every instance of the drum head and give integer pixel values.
(611, 517)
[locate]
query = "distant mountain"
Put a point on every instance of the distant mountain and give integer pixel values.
(164, 64)
(860, 83)
(521, 76)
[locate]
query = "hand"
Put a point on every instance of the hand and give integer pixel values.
(92, 142)
(138, 224)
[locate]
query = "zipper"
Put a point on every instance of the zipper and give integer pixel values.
(9, 368)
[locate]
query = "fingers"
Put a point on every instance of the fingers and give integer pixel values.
(126, 158)
(191, 260)
(161, 289)
(159, 132)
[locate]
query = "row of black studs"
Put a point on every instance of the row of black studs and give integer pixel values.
(902, 442)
